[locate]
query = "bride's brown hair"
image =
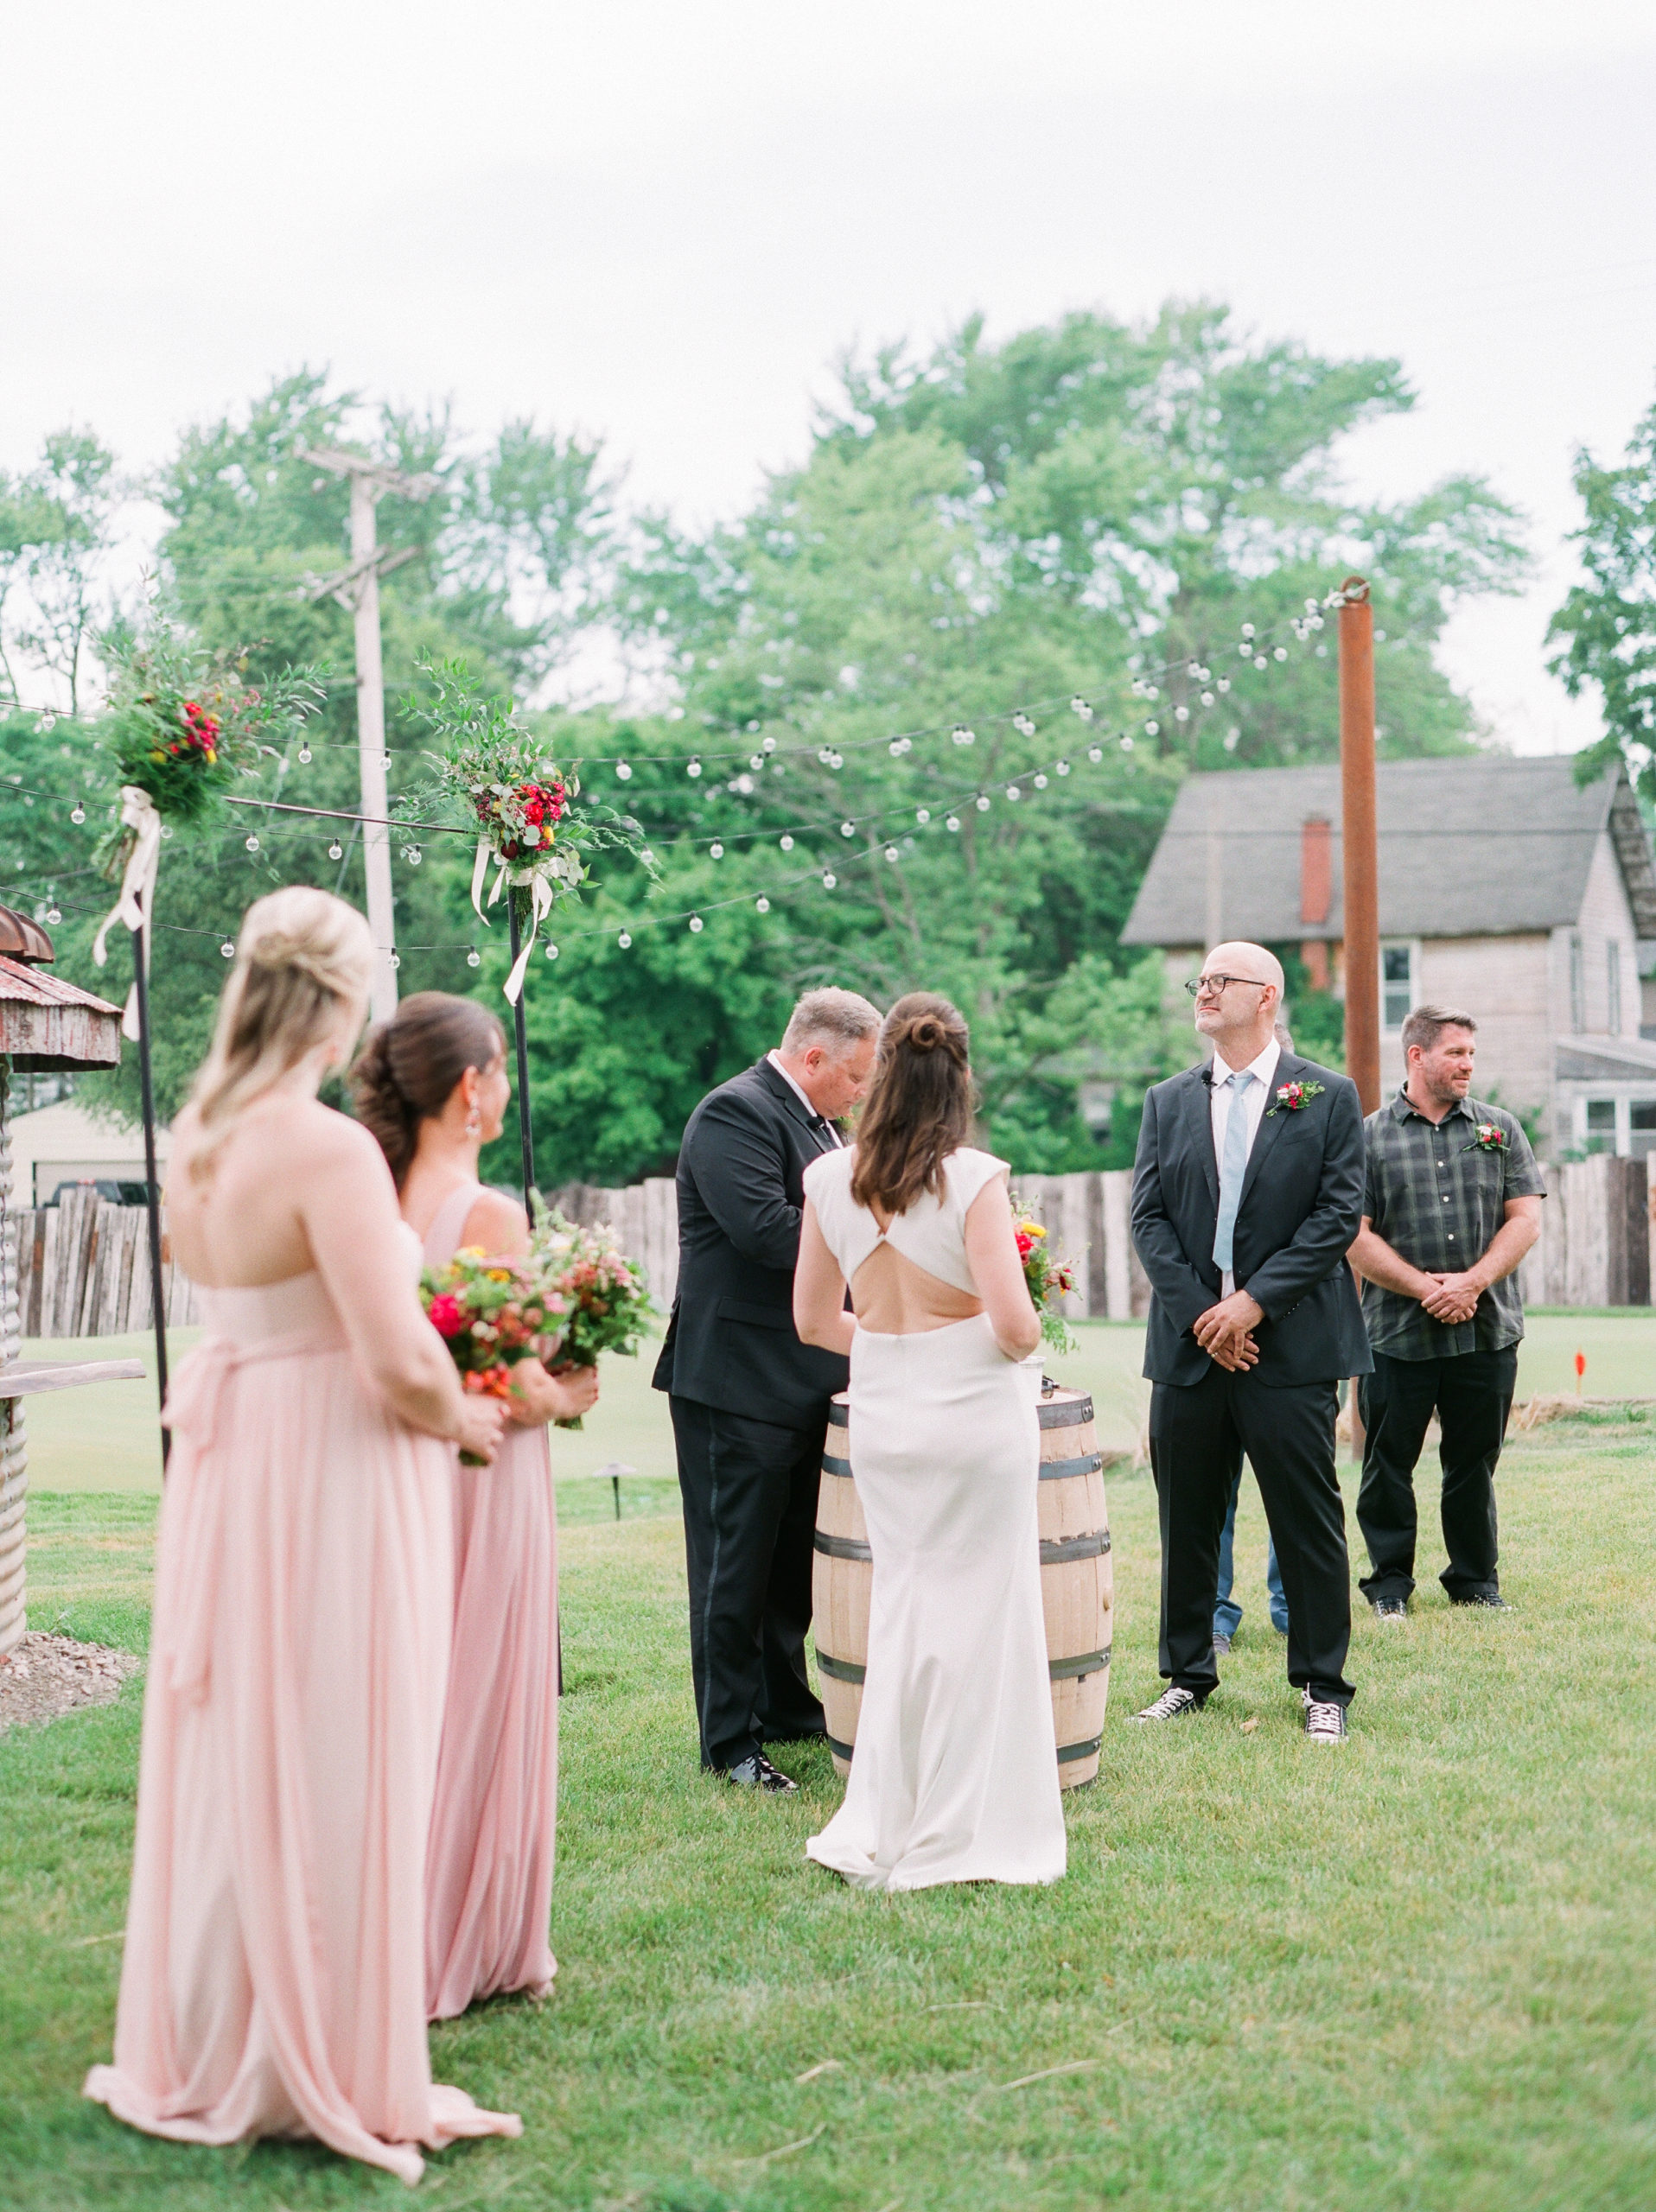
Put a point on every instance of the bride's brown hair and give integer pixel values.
(919, 1104)
(410, 1066)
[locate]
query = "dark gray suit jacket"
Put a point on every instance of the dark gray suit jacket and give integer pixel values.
(731, 1342)
(1302, 1206)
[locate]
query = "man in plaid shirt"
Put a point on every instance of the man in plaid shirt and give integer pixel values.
(1453, 1203)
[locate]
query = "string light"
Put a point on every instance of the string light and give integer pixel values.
(412, 855)
(953, 821)
(693, 767)
(552, 949)
(891, 852)
(761, 905)
(227, 949)
(1024, 726)
(962, 735)
(252, 844)
(304, 756)
(396, 959)
(624, 771)
(786, 843)
(54, 914)
(1095, 753)
(1152, 729)
(1041, 783)
(625, 940)
(77, 814)
(474, 958)
(829, 881)
(336, 851)
(922, 814)
(1062, 767)
(1013, 791)
(715, 851)
(983, 803)
(848, 829)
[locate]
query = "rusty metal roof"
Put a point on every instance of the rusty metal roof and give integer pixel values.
(32, 988)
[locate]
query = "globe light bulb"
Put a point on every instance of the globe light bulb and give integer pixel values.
(227, 950)
(396, 959)
(1062, 767)
(304, 756)
(1041, 783)
(1126, 745)
(696, 925)
(983, 803)
(1152, 729)
(767, 745)
(474, 958)
(786, 843)
(1013, 791)
(1223, 684)
(336, 851)
(1180, 715)
(953, 821)
(848, 829)
(625, 940)
(1279, 653)
(54, 914)
(962, 735)
(551, 951)
(1259, 661)
(1024, 726)
(415, 855)
(715, 851)
(891, 852)
(922, 814)
(1208, 698)
(1095, 753)
(624, 771)
(829, 881)
(761, 905)
(1247, 629)
(755, 760)
(77, 814)
(252, 844)
(693, 768)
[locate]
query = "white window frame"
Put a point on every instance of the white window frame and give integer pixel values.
(1578, 985)
(1612, 985)
(1411, 946)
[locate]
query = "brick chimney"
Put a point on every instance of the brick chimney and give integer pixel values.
(1316, 893)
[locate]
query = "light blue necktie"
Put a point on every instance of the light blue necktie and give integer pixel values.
(1231, 1169)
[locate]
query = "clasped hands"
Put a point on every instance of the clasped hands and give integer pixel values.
(1225, 1331)
(1455, 1299)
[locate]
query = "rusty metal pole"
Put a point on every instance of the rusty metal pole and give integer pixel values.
(1361, 858)
(1361, 895)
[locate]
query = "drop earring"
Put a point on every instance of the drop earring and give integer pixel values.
(474, 1122)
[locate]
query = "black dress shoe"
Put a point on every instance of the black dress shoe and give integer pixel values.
(756, 1772)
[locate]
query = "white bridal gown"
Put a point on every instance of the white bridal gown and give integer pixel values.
(955, 1776)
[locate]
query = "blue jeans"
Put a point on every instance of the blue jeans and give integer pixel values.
(1227, 1614)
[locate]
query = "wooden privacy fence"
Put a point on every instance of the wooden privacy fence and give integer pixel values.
(81, 1268)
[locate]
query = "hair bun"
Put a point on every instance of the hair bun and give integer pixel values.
(927, 1032)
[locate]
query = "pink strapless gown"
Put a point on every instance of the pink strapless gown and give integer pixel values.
(494, 1828)
(272, 1982)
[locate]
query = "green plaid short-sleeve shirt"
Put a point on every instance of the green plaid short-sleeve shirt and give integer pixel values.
(1437, 1196)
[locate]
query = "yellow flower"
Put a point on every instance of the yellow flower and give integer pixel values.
(1032, 1229)
(499, 1275)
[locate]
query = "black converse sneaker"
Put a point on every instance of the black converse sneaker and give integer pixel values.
(1172, 1705)
(756, 1772)
(1391, 1609)
(1324, 1724)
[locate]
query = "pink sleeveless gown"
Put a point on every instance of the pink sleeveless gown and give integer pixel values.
(494, 1828)
(272, 1981)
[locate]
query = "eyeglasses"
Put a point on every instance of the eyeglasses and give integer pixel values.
(1215, 985)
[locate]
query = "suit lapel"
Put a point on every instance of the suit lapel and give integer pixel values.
(1272, 1123)
(1198, 1124)
(782, 1091)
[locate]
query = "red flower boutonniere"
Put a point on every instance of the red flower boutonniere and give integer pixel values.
(1491, 1137)
(1293, 1098)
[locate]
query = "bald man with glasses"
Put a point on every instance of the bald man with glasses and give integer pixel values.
(1247, 1192)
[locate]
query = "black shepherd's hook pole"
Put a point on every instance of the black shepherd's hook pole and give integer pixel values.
(152, 1182)
(525, 1134)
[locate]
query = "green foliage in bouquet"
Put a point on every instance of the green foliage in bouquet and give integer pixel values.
(605, 1300)
(183, 723)
(1049, 1279)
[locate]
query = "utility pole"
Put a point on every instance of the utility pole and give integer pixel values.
(1361, 855)
(357, 588)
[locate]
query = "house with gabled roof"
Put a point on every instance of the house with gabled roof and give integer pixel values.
(1506, 887)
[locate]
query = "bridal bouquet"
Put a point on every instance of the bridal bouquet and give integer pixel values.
(600, 1296)
(1049, 1279)
(491, 1313)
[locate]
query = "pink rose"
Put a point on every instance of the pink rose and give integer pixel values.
(445, 1316)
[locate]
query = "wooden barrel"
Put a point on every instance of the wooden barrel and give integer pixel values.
(1076, 1584)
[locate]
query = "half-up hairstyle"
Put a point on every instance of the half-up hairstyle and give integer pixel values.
(919, 1104)
(303, 960)
(408, 1069)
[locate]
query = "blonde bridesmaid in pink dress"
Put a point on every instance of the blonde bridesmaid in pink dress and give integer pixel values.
(272, 1982)
(431, 1084)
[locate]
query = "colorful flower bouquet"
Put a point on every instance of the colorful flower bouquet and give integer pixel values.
(182, 724)
(1049, 1279)
(530, 827)
(492, 1314)
(602, 1297)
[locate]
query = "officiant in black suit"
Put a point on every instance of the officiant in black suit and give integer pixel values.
(1247, 1194)
(750, 1401)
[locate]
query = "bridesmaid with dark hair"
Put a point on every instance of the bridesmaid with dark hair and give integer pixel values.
(431, 1086)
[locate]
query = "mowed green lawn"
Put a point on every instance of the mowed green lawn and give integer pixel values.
(103, 1437)
(1415, 1974)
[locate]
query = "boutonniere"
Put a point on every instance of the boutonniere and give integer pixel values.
(1491, 1137)
(1293, 1098)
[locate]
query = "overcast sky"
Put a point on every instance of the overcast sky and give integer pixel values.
(660, 220)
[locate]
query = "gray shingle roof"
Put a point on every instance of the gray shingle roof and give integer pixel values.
(1482, 845)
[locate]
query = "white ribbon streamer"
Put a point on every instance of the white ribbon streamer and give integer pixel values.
(540, 905)
(137, 890)
(478, 866)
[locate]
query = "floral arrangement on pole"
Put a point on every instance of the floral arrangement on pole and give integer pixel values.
(602, 1295)
(531, 827)
(1049, 1279)
(492, 1314)
(182, 724)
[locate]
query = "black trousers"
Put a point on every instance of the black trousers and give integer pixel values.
(1472, 1394)
(1198, 1435)
(750, 1491)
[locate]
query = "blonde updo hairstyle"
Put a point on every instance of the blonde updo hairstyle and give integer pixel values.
(303, 960)
(920, 1105)
(410, 1064)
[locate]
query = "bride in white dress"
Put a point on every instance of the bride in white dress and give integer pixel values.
(955, 1777)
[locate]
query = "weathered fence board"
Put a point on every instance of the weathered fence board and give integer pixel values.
(83, 1270)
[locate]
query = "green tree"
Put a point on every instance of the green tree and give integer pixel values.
(1608, 622)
